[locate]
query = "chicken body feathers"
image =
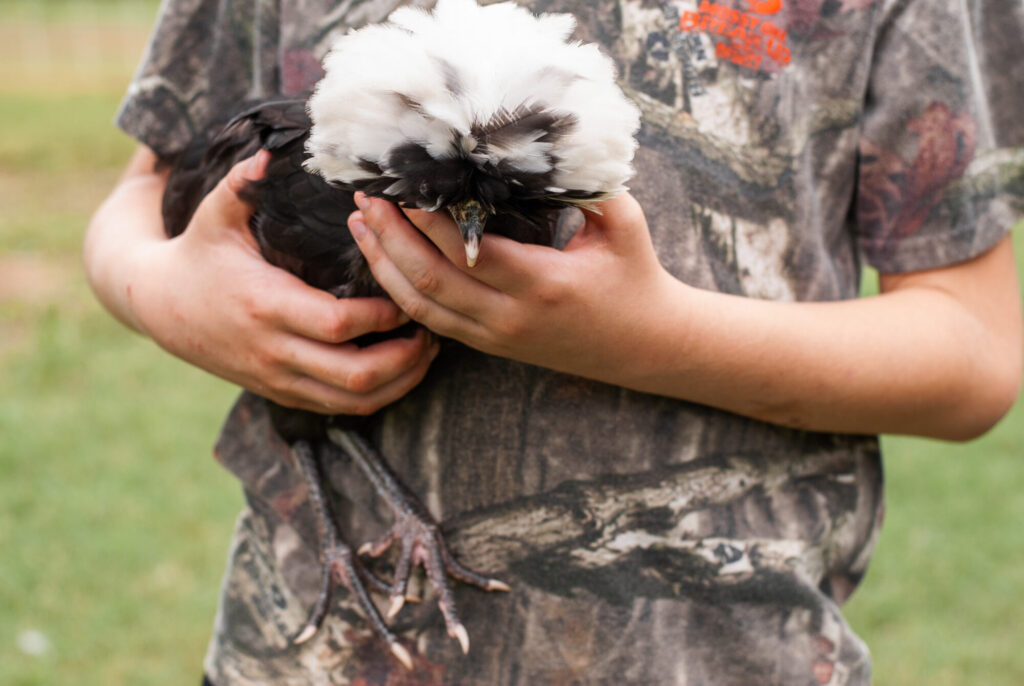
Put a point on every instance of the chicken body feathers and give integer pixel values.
(299, 219)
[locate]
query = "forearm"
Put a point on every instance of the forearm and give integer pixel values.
(938, 354)
(127, 223)
(209, 297)
(911, 361)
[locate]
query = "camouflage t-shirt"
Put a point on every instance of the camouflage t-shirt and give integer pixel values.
(647, 540)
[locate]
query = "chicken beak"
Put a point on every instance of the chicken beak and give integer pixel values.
(471, 216)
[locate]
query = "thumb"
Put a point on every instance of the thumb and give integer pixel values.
(618, 222)
(225, 202)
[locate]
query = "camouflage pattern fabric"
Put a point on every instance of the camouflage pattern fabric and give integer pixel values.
(647, 540)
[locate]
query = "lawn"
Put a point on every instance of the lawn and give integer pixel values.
(114, 520)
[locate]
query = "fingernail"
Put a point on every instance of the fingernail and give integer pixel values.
(362, 202)
(357, 227)
(255, 167)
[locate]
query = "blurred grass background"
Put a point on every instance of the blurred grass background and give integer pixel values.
(114, 521)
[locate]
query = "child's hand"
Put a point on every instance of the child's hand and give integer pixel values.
(937, 354)
(209, 297)
(579, 310)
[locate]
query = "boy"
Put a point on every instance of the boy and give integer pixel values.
(682, 402)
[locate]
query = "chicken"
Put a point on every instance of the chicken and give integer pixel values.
(488, 113)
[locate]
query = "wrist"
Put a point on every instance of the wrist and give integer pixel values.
(650, 337)
(669, 326)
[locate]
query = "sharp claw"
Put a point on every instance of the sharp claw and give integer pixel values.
(418, 538)
(396, 606)
(495, 585)
(460, 634)
(402, 655)
(306, 634)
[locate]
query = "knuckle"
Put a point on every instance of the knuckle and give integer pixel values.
(273, 358)
(388, 316)
(279, 390)
(233, 180)
(360, 381)
(236, 179)
(510, 327)
(281, 385)
(552, 291)
(256, 306)
(634, 210)
(374, 216)
(336, 327)
(415, 309)
(230, 188)
(426, 282)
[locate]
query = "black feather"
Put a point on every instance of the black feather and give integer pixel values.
(300, 220)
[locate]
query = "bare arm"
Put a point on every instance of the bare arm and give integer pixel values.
(129, 219)
(208, 297)
(937, 354)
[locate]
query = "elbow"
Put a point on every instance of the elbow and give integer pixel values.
(1002, 395)
(990, 396)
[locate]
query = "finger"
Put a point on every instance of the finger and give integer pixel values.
(619, 222)
(425, 267)
(224, 200)
(443, 232)
(431, 291)
(518, 269)
(358, 370)
(314, 395)
(505, 265)
(315, 314)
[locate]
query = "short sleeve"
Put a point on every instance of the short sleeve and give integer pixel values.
(941, 153)
(204, 58)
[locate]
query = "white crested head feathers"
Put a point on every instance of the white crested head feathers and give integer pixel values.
(495, 88)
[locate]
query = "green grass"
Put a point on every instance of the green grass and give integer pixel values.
(941, 603)
(117, 533)
(92, 11)
(943, 598)
(114, 519)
